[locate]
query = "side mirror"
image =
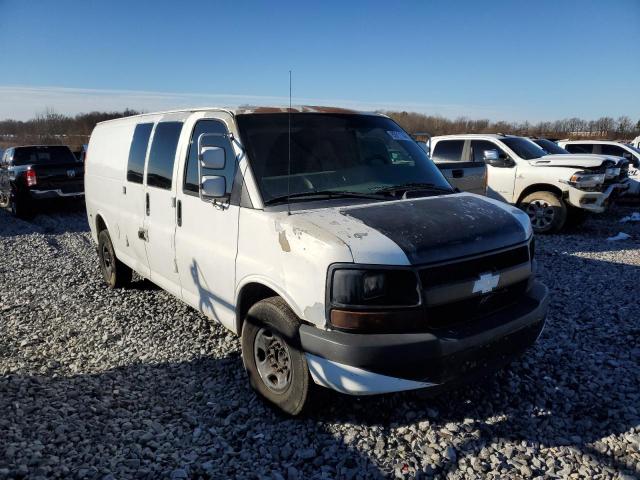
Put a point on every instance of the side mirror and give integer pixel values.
(493, 158)
(212, 187)
(212, 157)
(627, 155)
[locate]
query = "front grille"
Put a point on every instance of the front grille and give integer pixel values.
(470, 269)
(476, 307)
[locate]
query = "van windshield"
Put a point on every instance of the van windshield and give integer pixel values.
(353, 153)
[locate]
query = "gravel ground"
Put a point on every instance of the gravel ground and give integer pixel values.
(134, 384)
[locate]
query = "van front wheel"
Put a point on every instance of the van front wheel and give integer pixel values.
(115, 273)
(272, 355)
(547, 212)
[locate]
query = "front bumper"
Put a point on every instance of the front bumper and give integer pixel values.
(596, 202)
(361, 364)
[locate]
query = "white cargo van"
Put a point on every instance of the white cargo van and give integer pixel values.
(301, 231)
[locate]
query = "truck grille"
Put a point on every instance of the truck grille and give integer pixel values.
(459, 277)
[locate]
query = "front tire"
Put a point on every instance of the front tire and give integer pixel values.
(115, 273)
(273, 357)
(547, 212)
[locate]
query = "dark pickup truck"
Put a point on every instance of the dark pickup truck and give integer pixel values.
(32, 173)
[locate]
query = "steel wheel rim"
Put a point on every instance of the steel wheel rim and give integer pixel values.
(541, 213)
(107, 262)
(273, 361)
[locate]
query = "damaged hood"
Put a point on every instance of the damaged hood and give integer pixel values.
(424, 230)
(577, 161)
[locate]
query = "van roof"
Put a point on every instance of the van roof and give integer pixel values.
(254, 110)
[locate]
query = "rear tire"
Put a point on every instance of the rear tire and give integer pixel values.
(547, 212)
(20, 207)
(115, 273)
(273, 357)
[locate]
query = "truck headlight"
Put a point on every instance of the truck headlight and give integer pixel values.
(584, 180)
(374, 300)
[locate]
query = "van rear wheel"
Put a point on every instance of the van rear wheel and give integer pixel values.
(547, 212)
(273, 357)
(115, 273)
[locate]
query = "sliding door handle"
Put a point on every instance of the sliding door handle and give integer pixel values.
(147, 207)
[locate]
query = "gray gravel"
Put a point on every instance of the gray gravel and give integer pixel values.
(134, 384)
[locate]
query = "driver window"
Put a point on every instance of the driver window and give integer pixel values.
(191, 183)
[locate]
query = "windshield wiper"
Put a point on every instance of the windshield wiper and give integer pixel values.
(324, 193)
(414, 186)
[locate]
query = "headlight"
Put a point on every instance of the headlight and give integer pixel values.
(612, 172)
(587, 180)
(375, 300)
(364, 288)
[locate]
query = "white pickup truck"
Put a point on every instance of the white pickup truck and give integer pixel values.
(550, 188)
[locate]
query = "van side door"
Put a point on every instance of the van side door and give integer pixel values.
(500, 180)
(131, 213)
(207, 231)
(159, 227)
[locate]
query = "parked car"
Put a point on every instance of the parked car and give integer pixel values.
(464, 168)
(549, 188)
(31, 174)
(335, 264)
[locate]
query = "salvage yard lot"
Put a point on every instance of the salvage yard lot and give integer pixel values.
(134, 383)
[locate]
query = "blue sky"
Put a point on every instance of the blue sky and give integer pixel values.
(513, 60)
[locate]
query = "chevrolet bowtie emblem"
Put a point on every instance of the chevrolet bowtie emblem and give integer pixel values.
(486, 283)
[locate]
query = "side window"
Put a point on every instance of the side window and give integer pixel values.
(448, 151)
(163, 154)
(612, 150)
(137, 152)
(479, 146)
(580, 148)
(191, 183)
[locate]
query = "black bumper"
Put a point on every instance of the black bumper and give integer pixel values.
(440, 356)
(54, 193)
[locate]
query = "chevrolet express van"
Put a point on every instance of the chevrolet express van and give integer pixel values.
(325, 238)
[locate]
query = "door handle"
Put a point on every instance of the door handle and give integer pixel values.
(146, 204)
(179, 213)
(459, 173)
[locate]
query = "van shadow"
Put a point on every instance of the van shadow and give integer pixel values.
(579, 384)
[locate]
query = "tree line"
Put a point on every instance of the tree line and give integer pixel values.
(622, 128)
(50, 127)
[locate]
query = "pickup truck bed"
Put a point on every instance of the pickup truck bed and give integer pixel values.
(32, 173)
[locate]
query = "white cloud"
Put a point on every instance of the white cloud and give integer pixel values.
(24, 102)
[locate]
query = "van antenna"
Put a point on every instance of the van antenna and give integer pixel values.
(289, 159)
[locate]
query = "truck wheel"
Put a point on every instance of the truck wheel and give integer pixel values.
(20, 207)
(115, 273)
(273, 357)
(547, 212)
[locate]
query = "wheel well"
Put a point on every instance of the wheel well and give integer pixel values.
(100, 225)
(540, 187)
(249, 295)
